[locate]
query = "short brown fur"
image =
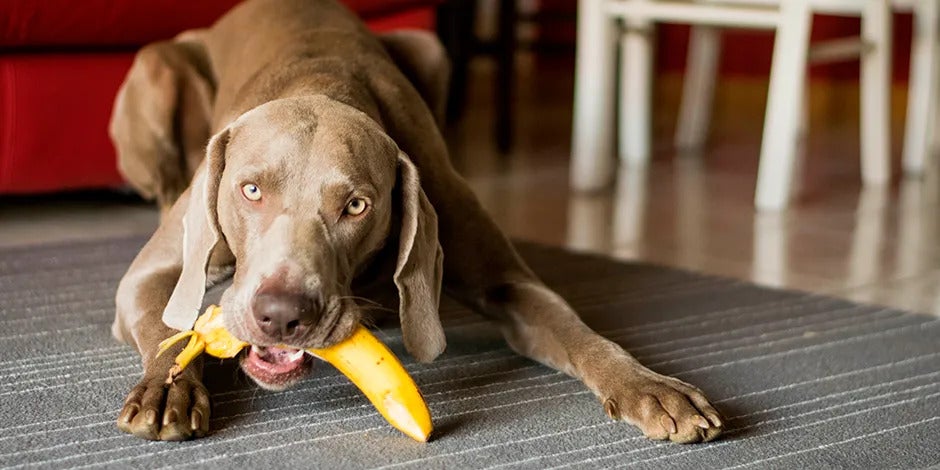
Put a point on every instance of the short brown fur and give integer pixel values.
(302, 95)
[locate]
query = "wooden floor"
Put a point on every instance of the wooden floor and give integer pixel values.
(877, 245)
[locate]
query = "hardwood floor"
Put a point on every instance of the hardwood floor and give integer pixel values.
(877, 245)
(694, 211)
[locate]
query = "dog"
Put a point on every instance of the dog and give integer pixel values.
(325, 173)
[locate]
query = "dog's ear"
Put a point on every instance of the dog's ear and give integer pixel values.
(201, 234)
(420, 268)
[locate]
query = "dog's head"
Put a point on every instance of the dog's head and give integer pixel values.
(304, 192)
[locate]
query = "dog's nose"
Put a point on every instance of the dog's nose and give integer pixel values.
(283, 315)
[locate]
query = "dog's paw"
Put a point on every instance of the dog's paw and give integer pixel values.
(156, 411)
(664, 408)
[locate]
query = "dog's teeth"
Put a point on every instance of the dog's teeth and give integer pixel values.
(256, 349)
(297, 355)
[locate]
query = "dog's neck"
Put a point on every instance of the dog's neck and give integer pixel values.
(318, 70)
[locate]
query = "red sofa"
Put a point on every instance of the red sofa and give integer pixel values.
(61, 62)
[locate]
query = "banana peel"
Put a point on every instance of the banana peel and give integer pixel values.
(362, 358)
(208, 335)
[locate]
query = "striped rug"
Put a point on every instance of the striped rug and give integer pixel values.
(805, 381)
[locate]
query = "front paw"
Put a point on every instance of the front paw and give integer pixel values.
(664, 408)
(156, 411)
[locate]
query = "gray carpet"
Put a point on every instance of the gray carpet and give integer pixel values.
(805, 381)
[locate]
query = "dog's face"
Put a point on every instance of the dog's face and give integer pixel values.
(305, 195)
(304, 201)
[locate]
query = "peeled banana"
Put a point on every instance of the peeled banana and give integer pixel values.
(376, 371)
(368, 363)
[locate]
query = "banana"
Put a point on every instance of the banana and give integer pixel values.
(362, 358)
(208, 335)
(377, 372)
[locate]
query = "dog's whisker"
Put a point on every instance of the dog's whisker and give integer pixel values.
(359, 299)
(379, 308)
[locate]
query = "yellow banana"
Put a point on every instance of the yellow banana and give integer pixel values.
(377, 372)
(208, 335)
(219, 342)
(362, 358)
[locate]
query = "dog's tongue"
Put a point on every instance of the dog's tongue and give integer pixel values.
(276, 359)
(279, 355)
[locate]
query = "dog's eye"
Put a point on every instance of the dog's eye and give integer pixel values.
(251, 192)
(356, 206)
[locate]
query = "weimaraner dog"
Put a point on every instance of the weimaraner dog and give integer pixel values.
(324, 174)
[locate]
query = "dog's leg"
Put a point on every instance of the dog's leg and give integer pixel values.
(539, 324)
(161, 118)
(483, 270)
(152, 409)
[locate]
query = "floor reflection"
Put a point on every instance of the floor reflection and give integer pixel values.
(878, 246)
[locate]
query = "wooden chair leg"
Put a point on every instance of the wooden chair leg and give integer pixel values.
(698, 88)
(922, 98)
(876, 93)
(505, 74)
(636, 74)
(592, 163)
(455, 28)
(787, 83)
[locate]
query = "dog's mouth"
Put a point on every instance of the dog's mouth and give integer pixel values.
(276, 367)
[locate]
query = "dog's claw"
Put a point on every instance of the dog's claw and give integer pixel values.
(663, 408)
(669, 424)
(195, 421)
(127, 415)
(701, 422)
(610, 406)
(169, 413)
(714, 419)
(169, 417)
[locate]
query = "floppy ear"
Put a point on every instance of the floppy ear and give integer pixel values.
(201, 233)
(420, 268)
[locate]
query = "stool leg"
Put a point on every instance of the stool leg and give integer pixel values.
(636, 90)
(506, 75)
(787, 82)
(922, 91)
(592, 162)
(698, 87)
(933, 118)
(876, 93)
(802, 131)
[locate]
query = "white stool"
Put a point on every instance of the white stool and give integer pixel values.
(923, 92)
(924, 89)
(592, 166)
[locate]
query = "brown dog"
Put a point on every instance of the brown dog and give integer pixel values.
(308, 190)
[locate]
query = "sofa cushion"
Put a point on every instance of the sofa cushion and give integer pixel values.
(54, 111)
(128, 23)
(55, 106)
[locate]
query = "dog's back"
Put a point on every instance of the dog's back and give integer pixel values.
(268, 49)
